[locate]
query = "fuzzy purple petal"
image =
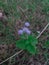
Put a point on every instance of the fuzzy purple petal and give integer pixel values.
(26, 30)
(27, 24)
(20, 32)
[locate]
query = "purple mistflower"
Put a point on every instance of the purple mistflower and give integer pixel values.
(26, 30)
(20, 32)
(27, 24)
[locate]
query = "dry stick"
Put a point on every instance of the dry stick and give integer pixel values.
(11, 56)
(22, 50)
(43, 31)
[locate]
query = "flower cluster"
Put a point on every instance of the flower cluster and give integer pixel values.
(25, 29)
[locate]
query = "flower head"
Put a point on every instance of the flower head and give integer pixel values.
(20, 32)
(26, 30)
(27, 24)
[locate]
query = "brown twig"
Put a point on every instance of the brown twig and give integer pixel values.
(11, 56)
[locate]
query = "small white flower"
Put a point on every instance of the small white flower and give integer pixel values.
(38, 31)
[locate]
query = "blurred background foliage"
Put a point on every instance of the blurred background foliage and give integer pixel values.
(15, 11)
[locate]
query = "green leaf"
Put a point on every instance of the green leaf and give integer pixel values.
(27, 43)
(32, 40)
(46, 44)
(21, 44)
(31, 49)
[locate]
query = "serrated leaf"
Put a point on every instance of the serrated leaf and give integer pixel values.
(28, 44)
(31, 49)
(21, 44)
(32, 40)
